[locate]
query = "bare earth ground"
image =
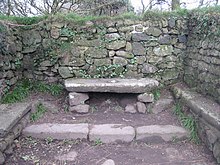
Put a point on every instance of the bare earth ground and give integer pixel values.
(33, 151)
(106, 108)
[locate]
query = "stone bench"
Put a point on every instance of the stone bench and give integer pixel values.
(207, 113)
(79, 89)
(13, 119)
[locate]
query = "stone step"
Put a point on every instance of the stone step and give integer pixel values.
(114, 85)
(10, 115)
(107, 133)
(160, 133)
(58, 131)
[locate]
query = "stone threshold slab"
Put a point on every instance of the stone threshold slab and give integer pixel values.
(10, 114)
(114, 85)
(110, 133)
(58, 131)
(199, 104)
(106, 133)
(160, 133)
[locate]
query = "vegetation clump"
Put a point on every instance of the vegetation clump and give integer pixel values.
(24, 87)
(188, 122)
(40, 111)
(23, 20)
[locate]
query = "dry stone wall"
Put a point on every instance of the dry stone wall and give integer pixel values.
(10, 57)
(166, 48)
(124, 48)
(54, 50)
(202, 62)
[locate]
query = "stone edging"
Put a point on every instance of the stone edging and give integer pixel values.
(107, 133)
(14, 123)
(208, 114)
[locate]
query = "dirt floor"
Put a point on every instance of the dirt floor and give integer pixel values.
(47, 152)
(105, 108)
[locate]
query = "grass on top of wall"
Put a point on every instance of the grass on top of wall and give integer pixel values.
(23, 20)
(207, 10)
(155, 14)
(24, 87)
(73, 17)
(70, 17)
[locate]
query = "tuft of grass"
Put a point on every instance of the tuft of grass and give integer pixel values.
(188, 122)
(156, 94)
(41, 110)
(53, 89)
(97, 142)
(18, 93)
(24, 87)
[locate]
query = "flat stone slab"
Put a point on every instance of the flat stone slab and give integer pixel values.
(109, 133)
(58, 131)
(158, 133)
(200, 105)
(10, 115)
(114, 85)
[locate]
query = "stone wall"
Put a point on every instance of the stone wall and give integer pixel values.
(54, 50)
(202, 63)
(10, 57)
(123, 47)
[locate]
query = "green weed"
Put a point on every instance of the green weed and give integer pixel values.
(3, 29)
(97, 142)
(188, 122)
(40, 111)
(156, 94)
(67, 32)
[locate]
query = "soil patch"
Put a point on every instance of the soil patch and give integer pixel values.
(108, 108)
(48, 152)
